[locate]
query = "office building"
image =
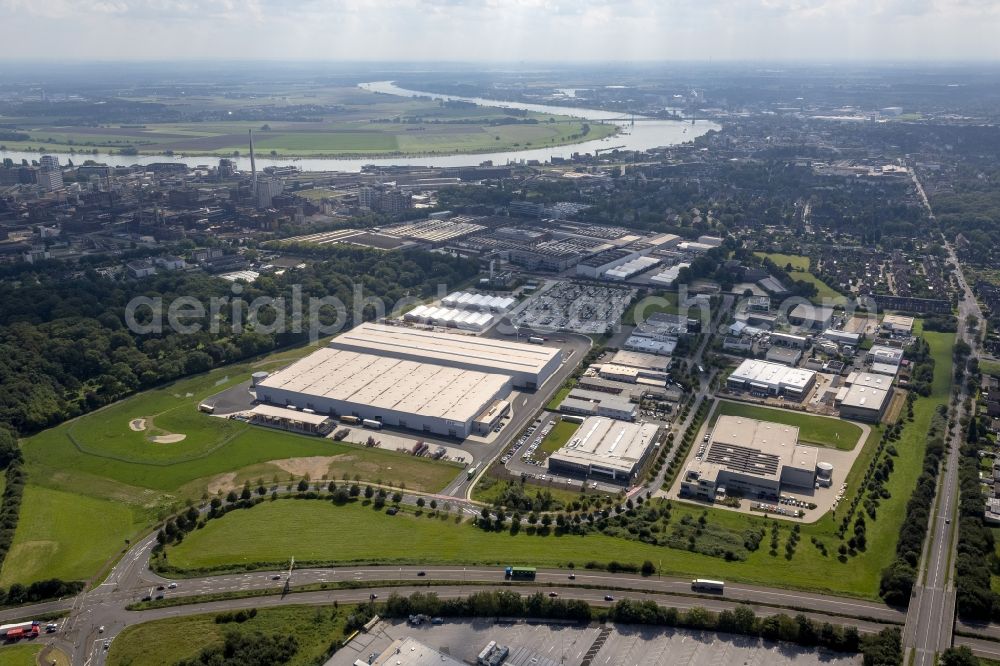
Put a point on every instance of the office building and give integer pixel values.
(602, 447)
(765, 379)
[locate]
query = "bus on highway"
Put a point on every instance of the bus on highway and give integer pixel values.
(708, 585)
(519, 573)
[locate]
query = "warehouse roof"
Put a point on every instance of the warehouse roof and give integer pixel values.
(640, 360)
(754, 447)
(772, 374)
(487, 355)
(860, 396)
(607, 443)
(390, 383)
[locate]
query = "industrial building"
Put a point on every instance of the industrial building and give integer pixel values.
(842, 337)
(811, 316)
(668, 276)
(432, 382)
(599, 403)
(470, 320)
(615, 450)
(885, 360)
(864, 396)
(527, 365)
(752, 459)
(463, 300)
(770, 379)
(897, 324)
(409, 652)
(785, 355)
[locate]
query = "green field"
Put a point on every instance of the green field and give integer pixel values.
(94, 482)
(557, 437)
(19, 655)
(817, 430)
(65, 535)
(801, 271)
(357, 123)
(663, 302)
(798, 261)
(320, 531)
(171, 640)
(560, 395)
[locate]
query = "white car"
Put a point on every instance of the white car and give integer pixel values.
(172, 586)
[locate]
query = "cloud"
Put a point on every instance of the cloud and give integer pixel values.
(509, 30)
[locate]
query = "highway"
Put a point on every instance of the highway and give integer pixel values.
(100, 615)
(930, 620)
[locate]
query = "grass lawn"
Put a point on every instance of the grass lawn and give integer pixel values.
(990, 368)
(557, 437)
(321, 531)
(65, 535)
(817, 430)
(800, 271)
(174, 639)
(97, 482)
(20, 655)
(489, 488)
(553, 404)
(797, 261)
(664, 302)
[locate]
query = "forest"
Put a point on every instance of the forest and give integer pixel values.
(65, 348)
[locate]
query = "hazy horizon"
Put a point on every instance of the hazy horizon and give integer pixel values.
(502, 31)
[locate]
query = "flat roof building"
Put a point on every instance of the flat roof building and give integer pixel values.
(784, 355)
(897, 324)
(397, 392)
(811, 316)
(865, 396)
(765, 378)
(527, 365)
(427, 381)
(603, 447)
(640, 360)
(750, 458)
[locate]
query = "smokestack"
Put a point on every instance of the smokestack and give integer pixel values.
(253, 167)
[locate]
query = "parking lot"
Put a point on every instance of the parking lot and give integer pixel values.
(620, 645)
(581, 308)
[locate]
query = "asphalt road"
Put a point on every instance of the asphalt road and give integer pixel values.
(930, 620)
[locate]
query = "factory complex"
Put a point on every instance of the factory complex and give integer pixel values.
(605, 447)
(753, 459)
(441, 383)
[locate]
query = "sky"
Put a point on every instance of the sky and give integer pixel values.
(500, 30)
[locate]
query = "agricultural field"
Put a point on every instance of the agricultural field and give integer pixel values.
(97, 480)
(345, 122)
(175, 639)
(320, 531)
(818, 430)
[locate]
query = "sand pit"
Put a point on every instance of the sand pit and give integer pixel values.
(315, 466)
(222, 482)
(168, 439)
(137, 425)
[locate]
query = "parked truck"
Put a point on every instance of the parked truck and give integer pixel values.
(535, 340)
(372, 423)
(350, 419)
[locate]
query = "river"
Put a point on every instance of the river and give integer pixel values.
(642, 135)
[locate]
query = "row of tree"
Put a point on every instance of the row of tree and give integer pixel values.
(898, 578)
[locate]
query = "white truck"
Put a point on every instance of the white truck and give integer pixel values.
(706, 585)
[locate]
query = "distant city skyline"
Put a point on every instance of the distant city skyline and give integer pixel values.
(501, 30)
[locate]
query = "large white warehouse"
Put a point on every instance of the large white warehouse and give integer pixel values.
(438, 383)
(764, 378)
(751, 458)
